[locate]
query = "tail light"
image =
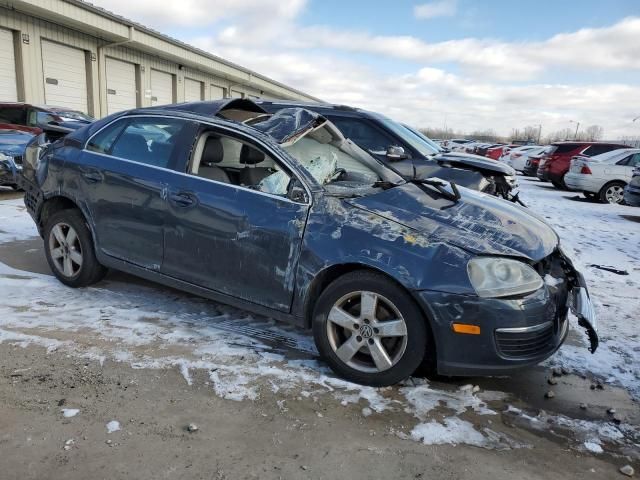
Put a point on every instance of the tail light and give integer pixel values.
(585, 170)
(516, 155)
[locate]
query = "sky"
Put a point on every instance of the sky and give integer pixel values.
(467, 64)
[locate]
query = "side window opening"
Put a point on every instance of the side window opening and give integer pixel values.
(151, 141)
(228, 160)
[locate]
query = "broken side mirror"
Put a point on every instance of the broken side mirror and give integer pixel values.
(296, 192)
(395, 153)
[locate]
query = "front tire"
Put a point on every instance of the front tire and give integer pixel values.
(68, 246)
(369, 330)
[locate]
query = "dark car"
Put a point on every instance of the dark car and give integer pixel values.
(555, 164)
(12, 146)
(288, 219)
(632, 190)
(55, 122)
(381, 136)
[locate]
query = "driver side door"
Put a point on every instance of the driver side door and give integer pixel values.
(228, 237)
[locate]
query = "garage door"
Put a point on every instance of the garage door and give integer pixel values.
(8, 90)
(236, 94)
(161, 88)
(192, 90)
(216, 92)
(121, 86)
(65, 76)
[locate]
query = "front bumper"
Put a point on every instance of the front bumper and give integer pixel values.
(632, 195)
(514, 332)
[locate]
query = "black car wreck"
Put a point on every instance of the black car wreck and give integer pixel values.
(288, 219)
(394, 144)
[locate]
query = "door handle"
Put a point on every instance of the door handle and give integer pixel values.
(92, 176)
(181, 199)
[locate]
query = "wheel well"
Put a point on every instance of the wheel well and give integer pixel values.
(332, 273)
(55, 205)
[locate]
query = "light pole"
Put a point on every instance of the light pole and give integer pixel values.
(575, 137)
(539, 133)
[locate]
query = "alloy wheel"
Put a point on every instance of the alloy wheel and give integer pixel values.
(614, 194)
(65, 250)
(367, 332)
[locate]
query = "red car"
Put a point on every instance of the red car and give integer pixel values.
(496, 152)
(555, 164)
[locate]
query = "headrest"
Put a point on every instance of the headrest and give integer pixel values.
(250, 156)
(213, 152)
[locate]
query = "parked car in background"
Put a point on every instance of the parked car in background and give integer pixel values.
(419, 155)
(603, 176)
(55, 122)
(517, 152)
(555, 164)
(498, 151)
(533, 162)
(632, 191)
(288, 219)
(520, 159)
(483, 148)
(457, 144)
(12, 146)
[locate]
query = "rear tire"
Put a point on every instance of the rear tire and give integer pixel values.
(612, 192)
(68, 246)
(369, 330)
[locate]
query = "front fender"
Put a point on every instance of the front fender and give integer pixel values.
(338, 234)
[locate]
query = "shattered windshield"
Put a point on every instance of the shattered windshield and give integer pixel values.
(334, 162)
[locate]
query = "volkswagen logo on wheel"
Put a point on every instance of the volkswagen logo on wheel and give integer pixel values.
(366, 331)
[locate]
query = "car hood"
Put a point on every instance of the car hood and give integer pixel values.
(477, 223)
(475, 161)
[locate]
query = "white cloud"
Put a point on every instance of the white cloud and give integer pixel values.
(440, 8)
(190, 13)
(500, 85)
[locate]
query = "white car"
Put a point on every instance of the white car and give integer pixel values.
(517, 152)
(457, 144)
(603, 176)
(519, 159)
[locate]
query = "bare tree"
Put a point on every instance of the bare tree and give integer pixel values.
(594, 132)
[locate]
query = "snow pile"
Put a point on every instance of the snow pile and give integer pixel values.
(113, 426)
(70, 412)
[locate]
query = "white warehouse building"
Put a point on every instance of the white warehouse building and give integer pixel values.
(70, 53)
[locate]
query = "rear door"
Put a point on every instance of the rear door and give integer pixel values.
(233, 239)
(123, 174)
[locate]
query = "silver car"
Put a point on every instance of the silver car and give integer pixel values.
(604, 176)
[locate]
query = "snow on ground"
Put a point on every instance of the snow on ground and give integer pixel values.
(604, 235)
(246, 357)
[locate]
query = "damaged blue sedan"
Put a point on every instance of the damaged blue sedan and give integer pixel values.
(281, 215)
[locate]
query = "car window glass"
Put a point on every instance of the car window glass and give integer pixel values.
(363, 134)
(44, 118)
(32, 118)
(598, 149)
(102, 142)
(624, 161)
(634, 161)
(16, 116)
(226, 159)
(149, 140)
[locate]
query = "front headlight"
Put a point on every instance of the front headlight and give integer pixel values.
(493, 277)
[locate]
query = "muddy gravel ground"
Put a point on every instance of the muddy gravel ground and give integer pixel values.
(272, 437)
(105, 382)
